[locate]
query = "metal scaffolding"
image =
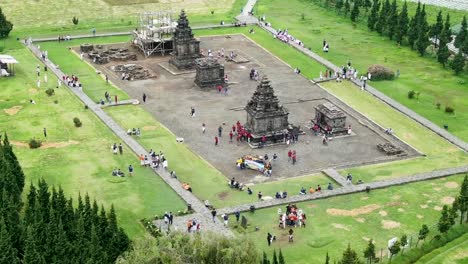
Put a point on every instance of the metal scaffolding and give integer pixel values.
(155, 32)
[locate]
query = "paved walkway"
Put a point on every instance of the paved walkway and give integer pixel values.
(346, 189)
(454, 4)
(332, 173)
(246, 11)
(386, 99)
(188, 197)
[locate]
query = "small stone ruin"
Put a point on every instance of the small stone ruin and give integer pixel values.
(86, 47)
(390, 149)
(330, 118)
(209, 73)
(114, 54)
(132, 72)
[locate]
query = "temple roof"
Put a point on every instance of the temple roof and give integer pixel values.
(264, 101)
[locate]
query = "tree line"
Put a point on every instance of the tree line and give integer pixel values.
(47, 227)
(389, 20)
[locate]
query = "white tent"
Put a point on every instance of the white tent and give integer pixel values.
(7, 65)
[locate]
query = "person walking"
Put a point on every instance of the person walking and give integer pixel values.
(213, 214)
(220, 131)
(216, 140)
(130, 170)
(144, 98)
(107, 79)
(171, 218)
(230, 136)
(45, 132)
(237, 214)
(120, 149)
(203, 128)
(192, 112)
(269, 238)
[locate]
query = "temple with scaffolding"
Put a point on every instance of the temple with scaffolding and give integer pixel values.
(155, 31)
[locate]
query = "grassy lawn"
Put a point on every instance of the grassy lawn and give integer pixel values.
(107, 15)
(455, 252)
(440, 153)
(78, 159)
(380, 215)
(207, 182)
(363, 48)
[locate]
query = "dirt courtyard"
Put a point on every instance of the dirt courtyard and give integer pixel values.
(170, 97)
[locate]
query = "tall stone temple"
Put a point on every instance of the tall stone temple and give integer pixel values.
(186, 47)
(265, 116)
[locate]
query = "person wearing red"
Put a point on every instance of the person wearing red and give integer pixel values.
(233, 128)
(230, 136)
(289, 155)
(216, 140)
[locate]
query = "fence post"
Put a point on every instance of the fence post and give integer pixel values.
(381, 260)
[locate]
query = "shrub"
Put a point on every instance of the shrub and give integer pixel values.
(34, 143)
(75, 20)
(55, 101)
(50, 92)
(438, 105)
(77, 122)
(411, 94)
(449, 109)
(380, 72)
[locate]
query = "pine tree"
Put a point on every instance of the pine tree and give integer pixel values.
(446, 34)
(8, 254)
(403, 242)
(443, 53)
(464, 47)
(392, 20)
(327, 259)
(281, 258)
(349, 257)
(462, 199)
(444, 223)
(381, 25)
(275, 259)
(369, 253)
(413, 32)
(339, 5)
(374, 15)
(355, 11)
(366, 4)
(347, 7)
(403, 20)
(13, 162)
(438, 27)
(265, 259)
(423, 232)
(394, 249)
(5, 25)
(31, 254)
(423, 39)
(453, 213)
(462, 35)
(458, 63)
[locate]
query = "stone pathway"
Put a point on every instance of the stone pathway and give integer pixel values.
(454, 4)
(346, 189)
(245, 15)
(332, 173)
(123, 102)
(386, 99)
(188, 197)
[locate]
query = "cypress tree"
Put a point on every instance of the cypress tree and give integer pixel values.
(462, 199)
(458, 63)
(367, 4)
(265, 259)
(438, 27)
(373, 17)
(355, 11)
(403, 20)
(443, 53)
(14, 163)
(392, 21)
(31, 253)
(281, 258)
(381, 26)
(339, 5)
(5, 25)
(349, 257)
(413, 32)
(462, 35)
(275, 258)
(446, 35)
(8, 254)
(464, 47)
(347, 7)
(444, 222)
(43, 197)
(423, 39)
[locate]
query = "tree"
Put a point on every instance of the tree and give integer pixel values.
(392, 20)
(444, 222)
(453, 213)
(8, 254)
(265, 259)
(413, 27)
(404, 242)
(464, 47)
(446, 34)
(462, 199)
(402, 24)
(374, 15)
(347, 7)
(423, 39)
(394, 249)
(458, 63)
(366, 4)
(75, 20)
(381, 25)
(369, 253)
(281, 258)
(438, 27)
(355, 11)
(339, 5)
(5, 25)
(443, 53)
(462, 35)
(423, 232)
(327, 259)
(275, 258)
(349, 257)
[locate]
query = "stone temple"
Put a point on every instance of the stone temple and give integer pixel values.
(266, 117)
(186, 47)
(328, 116)
(210, 73)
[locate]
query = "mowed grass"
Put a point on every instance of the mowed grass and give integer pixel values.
(379, 215)
(84, 162)
(207, 182)
(363, 48)
(455, 252)
(439, 153)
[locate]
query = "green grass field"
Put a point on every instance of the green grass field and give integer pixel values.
(363, 48)
(455, 252)
(333, 223)
(78, 159)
